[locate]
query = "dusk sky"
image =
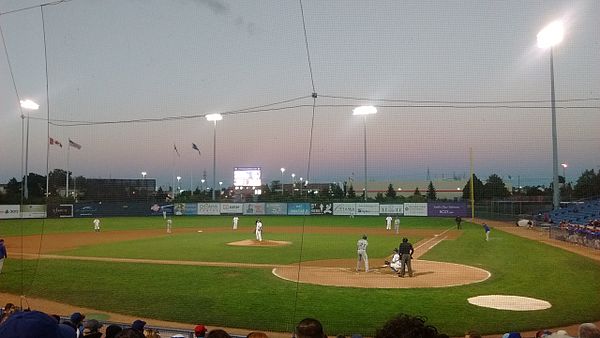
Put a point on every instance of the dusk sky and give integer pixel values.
(117, 60)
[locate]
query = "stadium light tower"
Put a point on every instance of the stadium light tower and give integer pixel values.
(549, 37)
(144, 174)
(364, 111)
(282, 171)
(214, 118)
(178, 187)
(565, 166)
(27, 105)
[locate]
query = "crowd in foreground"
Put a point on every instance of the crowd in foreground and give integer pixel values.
(36, 324)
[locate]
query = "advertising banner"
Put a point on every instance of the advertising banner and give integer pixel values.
(162, 210)
(298, 209)
(344, 209)
(254, 208)
(209, 209)
(191, 209)
(232, 208)
(62, 210)
(34, 211)
(447, 209)
(10, 211)
(391, 209)
(179, 208)
(321, 208)
(415, 209)
(367, 209)
(276, 209)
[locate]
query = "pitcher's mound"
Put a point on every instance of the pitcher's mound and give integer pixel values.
(253, 242)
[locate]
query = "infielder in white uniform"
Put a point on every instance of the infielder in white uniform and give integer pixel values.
(361, 247)
(169, 225)
(388, 223)
(235, 222)
(96, 225)
(258, 230)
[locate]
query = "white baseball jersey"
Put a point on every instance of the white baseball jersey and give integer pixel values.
(235, 222)
(395, 263)
(259, 227)
(96, 224)
(388, 222)
(169, 225)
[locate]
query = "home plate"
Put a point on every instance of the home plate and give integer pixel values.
(512, 303)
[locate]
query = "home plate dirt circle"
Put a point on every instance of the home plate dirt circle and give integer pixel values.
(427, 274)
(512, 303)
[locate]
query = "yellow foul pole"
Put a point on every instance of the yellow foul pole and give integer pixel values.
(471, 193)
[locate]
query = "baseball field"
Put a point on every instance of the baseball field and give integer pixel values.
(204, 271)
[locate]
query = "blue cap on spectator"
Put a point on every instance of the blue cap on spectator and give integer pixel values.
(138, 325)
(34, 324)
(77, 317)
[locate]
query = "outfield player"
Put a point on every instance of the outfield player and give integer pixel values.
(388, 223)
(361, 248)
(235, 222)
(397, 224)
(258, 230)
(96, 225)
(486, 228)
(169, 225)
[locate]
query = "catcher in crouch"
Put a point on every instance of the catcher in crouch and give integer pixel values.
(394, 264)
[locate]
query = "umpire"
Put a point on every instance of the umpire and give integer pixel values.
(405, 250)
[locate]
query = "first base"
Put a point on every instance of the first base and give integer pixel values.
(199, 230)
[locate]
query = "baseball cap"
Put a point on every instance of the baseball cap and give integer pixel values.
(200, 329)
(34, 324)
(77, 317)
(138, 325)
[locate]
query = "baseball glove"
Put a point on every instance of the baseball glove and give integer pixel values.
(386, 262)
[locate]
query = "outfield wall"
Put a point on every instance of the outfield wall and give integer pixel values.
(108, 209)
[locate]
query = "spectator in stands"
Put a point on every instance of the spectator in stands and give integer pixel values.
(218, 333)
(151, 333)
(472, 334)
(112, 330)
(200, 331)
(588, 330)
(34, 324)
(7, 311)
(257, 334)
(77, 320)
(310, 328)
(405, 326)
(138, 325)
(90, 329)
(542, 333)
(130, 333)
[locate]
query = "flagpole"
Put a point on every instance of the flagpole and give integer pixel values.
(191, 183)
(173, 174)
(68, 152)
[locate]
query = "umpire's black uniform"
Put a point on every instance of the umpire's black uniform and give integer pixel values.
(405, 250)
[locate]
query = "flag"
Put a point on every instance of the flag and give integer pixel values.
(54, 141)
(74, 145)
(195, 147)
(177, 151)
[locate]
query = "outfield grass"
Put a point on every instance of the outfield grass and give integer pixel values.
(254, 298)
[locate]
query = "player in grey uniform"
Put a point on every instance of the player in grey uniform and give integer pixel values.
(397, 224)
(361, 247)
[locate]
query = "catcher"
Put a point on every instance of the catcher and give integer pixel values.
(394, 264)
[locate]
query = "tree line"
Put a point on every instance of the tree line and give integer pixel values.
(494, 188)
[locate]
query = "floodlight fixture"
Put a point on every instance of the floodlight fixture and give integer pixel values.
(551, 35)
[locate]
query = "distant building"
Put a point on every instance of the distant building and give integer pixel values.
(117, 189)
